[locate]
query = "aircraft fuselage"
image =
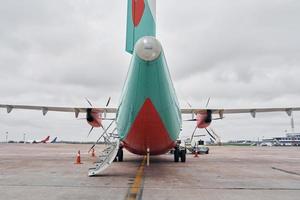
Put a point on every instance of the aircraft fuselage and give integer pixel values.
(149, 116)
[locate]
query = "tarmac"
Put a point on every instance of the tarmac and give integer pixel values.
(47, 171)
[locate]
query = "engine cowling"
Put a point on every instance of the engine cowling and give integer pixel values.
(93, 117)
(204, 119)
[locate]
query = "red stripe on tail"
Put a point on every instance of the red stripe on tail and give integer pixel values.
(138, 8)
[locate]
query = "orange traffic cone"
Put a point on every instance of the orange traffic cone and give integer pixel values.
(78, 160)
(93, 152)
(196, 154)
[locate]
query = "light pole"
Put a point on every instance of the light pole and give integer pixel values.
(6, 138)
(24, 137)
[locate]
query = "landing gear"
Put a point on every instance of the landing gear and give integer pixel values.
(119, 156)
(176, 154)
(183, 155)
(179, 152)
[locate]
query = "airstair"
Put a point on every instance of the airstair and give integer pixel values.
(188, 144)
(108, 155)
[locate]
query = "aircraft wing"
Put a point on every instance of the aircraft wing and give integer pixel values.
(251, 111)
(45, 109)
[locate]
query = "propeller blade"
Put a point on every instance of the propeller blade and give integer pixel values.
(88, 101)
(83, 118)
(108, 101)
(190, 120)
(207, 102)
(210, 134)
(109, 119)
(90, 131)
(193, 133)
(218, 118)
(188, 104)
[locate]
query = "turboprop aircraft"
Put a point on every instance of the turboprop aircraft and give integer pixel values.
(148, 119)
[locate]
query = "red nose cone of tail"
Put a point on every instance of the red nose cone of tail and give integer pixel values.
(148, 131)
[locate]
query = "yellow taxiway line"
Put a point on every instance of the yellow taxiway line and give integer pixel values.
(136, 186)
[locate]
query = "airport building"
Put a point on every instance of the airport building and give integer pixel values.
(291, 139)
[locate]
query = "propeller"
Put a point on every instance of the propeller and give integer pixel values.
(193, 133)
(210, 134)
(207, 110)
(190, 106)
(190, 120)
(88, 101)
(90, 131)
(218, 118)
(108, 101)
(207, 103)
(193, 120)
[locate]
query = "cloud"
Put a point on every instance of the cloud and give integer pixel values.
(240, 53)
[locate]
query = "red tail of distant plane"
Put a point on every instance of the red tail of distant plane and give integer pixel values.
(45, 140)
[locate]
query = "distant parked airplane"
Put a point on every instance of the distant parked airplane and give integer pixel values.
(42, 141)
(54, 140)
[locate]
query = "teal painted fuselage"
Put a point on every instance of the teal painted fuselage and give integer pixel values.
(148, 80)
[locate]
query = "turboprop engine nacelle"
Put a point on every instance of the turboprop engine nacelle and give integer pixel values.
(204, 119)
(93, 117)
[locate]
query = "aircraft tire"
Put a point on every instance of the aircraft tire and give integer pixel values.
(176, 155)
(120, 155)
(183, 155)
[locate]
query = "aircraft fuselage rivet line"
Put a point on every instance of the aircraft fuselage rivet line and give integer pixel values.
(135, 190)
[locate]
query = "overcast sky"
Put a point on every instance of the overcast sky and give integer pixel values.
(242, 54)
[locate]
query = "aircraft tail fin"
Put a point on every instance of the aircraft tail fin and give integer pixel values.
(46, 139)
(140, 21)
(54, 140)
